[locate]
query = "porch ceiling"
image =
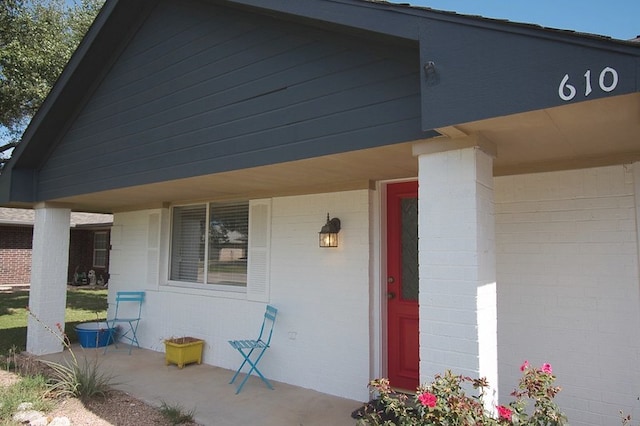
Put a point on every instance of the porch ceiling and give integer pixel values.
(585, 134)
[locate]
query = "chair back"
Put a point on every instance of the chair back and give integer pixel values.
(267, 324)
(129, 298)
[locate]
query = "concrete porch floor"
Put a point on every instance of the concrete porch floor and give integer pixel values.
(205, 388)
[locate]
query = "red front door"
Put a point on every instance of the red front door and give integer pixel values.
(402, 285)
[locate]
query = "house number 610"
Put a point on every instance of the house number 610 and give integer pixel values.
(607, 81)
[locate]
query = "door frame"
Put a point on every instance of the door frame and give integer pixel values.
(379, 356)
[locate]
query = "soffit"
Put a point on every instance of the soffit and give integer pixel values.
(584, 134)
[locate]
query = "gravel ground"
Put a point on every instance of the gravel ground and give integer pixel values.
(116, 409)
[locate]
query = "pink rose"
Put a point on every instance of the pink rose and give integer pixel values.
(504, 412)
(427, 399)
(546, 368)
(524, 365)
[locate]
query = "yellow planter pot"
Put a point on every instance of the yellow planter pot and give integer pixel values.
(183, 350)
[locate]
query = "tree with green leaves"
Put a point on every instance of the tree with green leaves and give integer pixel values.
(37, 39)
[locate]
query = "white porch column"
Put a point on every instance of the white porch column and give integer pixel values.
(635, 170)
(49, 265)
(456, 229)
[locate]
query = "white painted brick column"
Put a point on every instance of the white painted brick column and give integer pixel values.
(636, 191)
(49, 264)
(456, 229)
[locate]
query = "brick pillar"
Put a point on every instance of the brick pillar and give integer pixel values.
(48, 291)
(636, 188)
(456, 229)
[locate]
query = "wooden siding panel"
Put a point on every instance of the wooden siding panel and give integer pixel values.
(493, 73)
(204, 90)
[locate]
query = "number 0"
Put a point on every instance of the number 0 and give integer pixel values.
(614, 79)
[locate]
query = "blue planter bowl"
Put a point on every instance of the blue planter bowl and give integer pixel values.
(94, 334)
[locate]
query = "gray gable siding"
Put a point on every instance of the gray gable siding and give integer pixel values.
(485, 72)
(204, 89)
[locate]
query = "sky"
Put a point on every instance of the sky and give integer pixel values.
(614, 18)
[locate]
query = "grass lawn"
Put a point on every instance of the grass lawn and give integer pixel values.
(82, 305)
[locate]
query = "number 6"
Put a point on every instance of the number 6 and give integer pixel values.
(572, 90)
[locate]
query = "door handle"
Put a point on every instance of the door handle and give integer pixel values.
(391, 295)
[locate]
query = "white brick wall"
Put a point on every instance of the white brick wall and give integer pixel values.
(323, 293)
(321, 339)
(567, 274)
(567, 265)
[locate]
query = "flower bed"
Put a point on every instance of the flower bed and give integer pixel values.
(445, 402)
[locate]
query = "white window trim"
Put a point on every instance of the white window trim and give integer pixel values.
(105, 249)
(229, 291)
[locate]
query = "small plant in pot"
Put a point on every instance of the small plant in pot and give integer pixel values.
(183, 350)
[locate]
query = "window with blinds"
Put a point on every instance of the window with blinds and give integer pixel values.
(217, 232)
(100, 249)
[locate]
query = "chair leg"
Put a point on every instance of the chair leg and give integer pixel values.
(129, 335)
(247, 359)
(254, 368)
(134, 337)
(112, 335)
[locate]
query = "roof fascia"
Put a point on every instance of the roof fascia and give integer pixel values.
(405, 21)
(386, 19)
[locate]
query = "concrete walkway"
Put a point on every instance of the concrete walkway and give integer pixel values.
(144, 375)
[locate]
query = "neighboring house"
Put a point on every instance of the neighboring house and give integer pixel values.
(88, 246)
(485, 174)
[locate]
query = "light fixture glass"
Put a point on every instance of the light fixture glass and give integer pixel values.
(329, 232)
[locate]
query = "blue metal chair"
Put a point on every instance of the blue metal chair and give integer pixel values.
(126, 318)
(247, 348)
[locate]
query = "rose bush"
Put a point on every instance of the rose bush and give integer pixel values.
(445, 401)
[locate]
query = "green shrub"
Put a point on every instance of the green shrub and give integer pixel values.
(175, 414)
(81, 379)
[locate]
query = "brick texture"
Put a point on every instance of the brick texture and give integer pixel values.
(568, 287)
(15, 254)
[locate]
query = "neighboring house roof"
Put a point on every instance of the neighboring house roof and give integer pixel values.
(26, 217)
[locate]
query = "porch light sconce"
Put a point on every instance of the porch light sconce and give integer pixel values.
(329, 232)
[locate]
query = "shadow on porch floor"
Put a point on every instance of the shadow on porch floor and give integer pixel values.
(144, 375)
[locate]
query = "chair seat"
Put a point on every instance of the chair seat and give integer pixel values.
(124, 319)
(247, 344)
